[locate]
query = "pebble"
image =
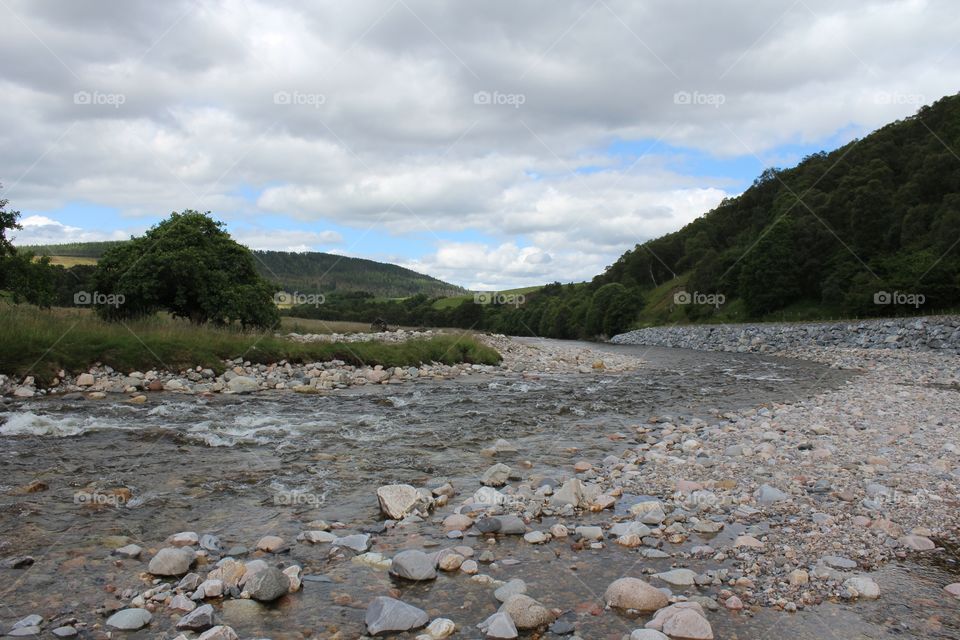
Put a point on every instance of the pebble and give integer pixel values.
(171, 561)
(413, 565)
(129, 619)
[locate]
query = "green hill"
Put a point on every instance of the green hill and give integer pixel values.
(838, 234)
(309, 272)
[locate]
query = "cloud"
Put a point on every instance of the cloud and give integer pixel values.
(375, 115)
(43, 230)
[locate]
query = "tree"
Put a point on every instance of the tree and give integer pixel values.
(8, 222)
(189, 266)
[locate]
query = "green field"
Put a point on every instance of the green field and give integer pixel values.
(455, 301)
(41, 342)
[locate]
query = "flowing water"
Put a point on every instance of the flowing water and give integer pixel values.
(244, 467)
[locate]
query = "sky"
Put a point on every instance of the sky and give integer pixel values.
(490, 144)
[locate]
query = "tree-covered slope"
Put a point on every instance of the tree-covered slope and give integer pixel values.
(839, 231)
(310, 272)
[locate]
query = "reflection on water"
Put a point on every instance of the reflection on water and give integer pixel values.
(244, 467)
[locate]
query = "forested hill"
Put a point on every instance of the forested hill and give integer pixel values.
(310, 272)
(326, 272)
(880, 214)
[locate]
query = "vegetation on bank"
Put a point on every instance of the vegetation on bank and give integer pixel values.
(40, 342)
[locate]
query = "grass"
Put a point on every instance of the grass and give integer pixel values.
(41, 342)
(71, 261)
(456, 301)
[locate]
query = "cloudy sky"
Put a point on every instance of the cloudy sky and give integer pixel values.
(491, 144)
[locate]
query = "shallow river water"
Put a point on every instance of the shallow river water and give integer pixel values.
(244, 467)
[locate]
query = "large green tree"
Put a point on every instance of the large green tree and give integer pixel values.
(189, 266)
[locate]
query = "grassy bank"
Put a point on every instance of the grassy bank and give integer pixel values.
(41, 342)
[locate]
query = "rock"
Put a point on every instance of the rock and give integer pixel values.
(129, 551)
(457, 522)
(647, 634)
(799, 577)
(863, 587)
(589, 533)
(197, 620)
(682, 620)
(649, 512)
(129, 619)
(470, 567)
(413, 565)
(387, 614)
(770, 495)
(397, 500)
(358, 542)
(917, 543)
(526, 612)
(221, 632)
(229, 571)
(629, 529)
(85, 380)
(182, 603)
(535, 537)
(171, 561)
(488, 495)
(511, 526)
(32, 620)
(747, 541)
(440, 628)
(733, 603)
(242, 384)
(496, 476)
(633, 593)
(267, 585)
(511, 588)
(450, 561)
(189, 582)
(953, 589)
(499, 626)
(270, 543)
(293, 576)
(22, 632)
(837, 562)
(184, 539)
(211, 543)
(66, 631)
(316, 537)
(677, 577)
(562, 627)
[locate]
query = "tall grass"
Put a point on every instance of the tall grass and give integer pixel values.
(41, 342)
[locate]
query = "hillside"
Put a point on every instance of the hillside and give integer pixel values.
(839, 234)
(310, 272)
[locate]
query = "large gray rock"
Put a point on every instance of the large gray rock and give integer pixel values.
(171, 561)
(526, 612)
(387, 614)
(414, 565)
(267, 585)
(197, 620)
(682, 620)
(633, 593)
(129, 619)
(397, 500)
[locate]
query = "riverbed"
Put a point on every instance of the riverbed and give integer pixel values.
(242, 467)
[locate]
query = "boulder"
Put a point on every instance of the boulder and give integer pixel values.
(129, 619)
(863, 587)
(526, 612)
(633, 593)
(413, 565)
(171, 561)
(496, 476)
(682, 620)
(267, 585)
(199, 619)
(499, 626)
(397, 500)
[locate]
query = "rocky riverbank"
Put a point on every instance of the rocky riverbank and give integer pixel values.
(935, 333)
(241, 376)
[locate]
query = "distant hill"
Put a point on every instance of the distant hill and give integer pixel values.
(309, 272)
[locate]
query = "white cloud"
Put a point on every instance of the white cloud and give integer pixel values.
(381, 128)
